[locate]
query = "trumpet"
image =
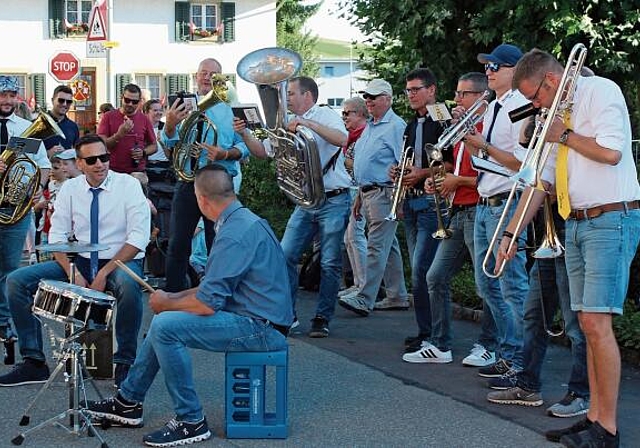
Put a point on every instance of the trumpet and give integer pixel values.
(537, 154)
(438, 173)
(399, 190)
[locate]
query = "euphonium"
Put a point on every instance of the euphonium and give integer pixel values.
(538, 152)
(297, 160)
(21, 179)
(186, 149)
(400, 190)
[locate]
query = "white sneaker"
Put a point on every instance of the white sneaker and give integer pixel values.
(429, 353)
(479, 357)
(348, 291)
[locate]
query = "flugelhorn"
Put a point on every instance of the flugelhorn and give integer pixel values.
(399, 190)
(538, 152)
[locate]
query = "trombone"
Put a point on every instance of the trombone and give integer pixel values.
(537, 153)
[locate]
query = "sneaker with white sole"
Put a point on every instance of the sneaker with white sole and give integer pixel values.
(429, 353)
(479, 357)
(348, 291)
(570, 406)
(515, 395)
(388, 304)
(498, 368)
(177, 432)
(115, 410)
(503, 382)
(355, 304)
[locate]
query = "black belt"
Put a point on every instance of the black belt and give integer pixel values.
(458, 208)
(334, 193)
(414, 193)
(594, 212)
(284, 330)
(493, 201)
(367, 188)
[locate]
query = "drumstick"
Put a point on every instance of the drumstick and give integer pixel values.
(135, 276)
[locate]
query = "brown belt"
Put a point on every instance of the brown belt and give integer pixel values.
(594, 212)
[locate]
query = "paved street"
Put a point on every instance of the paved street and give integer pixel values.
(350, 390)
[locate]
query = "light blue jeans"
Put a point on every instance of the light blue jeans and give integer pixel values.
(504, 296)
(166, 346)
(598, 254)
(329, 222)
(355, 243)
(12, 239)
(384, 259)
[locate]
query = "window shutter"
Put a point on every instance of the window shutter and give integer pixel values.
(228, 17)
(183, 12)
(56, 19)
(38, 89)
(176, 82)
(122, 79)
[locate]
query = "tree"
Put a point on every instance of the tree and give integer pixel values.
(447, 35)
(291, 16)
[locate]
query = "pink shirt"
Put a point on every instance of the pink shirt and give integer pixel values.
(142, 135)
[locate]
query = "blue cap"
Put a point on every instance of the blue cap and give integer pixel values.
(8, 83)
(67, 154)
(502, 54)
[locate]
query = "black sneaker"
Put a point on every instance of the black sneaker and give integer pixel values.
(595, 436)
(319, 327)
(176, 433)
(554, 435)
(411, 341)
(495, 370)
(114, 410)
(27, 372)
(121, 372)
(7, 334)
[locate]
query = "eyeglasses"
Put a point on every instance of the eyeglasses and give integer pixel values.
(495, 66)
(63, 101)
(463, 93)
(367, 96)
(91, 160)
(535, 95)
(129, 100)
(414, 90)
(346, 113)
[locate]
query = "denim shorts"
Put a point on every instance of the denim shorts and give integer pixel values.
(598, 255)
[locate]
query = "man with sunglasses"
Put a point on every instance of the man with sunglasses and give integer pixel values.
(129, 133)
(504, 296)
(61, 102)
(101, 207)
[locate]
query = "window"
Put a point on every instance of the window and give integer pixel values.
(335, 102)
(77, 16)
(200, 19)
(329, 71)
(204, 18)
(150, 82)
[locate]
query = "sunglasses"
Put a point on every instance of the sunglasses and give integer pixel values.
(346, 113)
(367, 96)
(129, 100)
(63, 101)
(91, 160)
(494, 66)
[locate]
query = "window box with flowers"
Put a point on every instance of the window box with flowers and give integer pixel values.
(205, 35)
(77, 29)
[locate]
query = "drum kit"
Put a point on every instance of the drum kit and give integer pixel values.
(80, 310)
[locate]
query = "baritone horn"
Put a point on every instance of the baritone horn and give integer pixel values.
(537, 154)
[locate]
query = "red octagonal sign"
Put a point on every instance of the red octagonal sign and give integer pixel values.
(64, 66)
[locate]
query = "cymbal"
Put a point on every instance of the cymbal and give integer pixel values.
(73, 247)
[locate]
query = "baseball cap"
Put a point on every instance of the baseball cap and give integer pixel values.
(378, 87)
(67, 154)
(8, 83)
(502, 54)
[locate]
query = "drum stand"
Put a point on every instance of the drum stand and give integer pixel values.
(72, 352)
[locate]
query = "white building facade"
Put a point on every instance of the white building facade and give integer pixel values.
(339, 79)
(159, 44)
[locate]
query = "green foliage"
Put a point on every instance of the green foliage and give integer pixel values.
(447, 36)
(463, 288)
(291, 16)
(627, 328)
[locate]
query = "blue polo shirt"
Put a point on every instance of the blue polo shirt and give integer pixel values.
(71, 132)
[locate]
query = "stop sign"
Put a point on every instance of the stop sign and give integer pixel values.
(64, 66)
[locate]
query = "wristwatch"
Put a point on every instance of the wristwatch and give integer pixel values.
(565, 136)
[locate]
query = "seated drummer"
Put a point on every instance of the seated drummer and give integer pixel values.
(242, 304)
(123, 221)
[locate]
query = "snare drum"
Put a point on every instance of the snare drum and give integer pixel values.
(73, 304)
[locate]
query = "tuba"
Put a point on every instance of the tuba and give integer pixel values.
(298, 167)
(20, 181)
(194, 130)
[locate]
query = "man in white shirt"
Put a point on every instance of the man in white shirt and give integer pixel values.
(602, 228)
(13, 235)
(123, 222)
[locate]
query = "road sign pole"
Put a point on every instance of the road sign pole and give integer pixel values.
(109, 35)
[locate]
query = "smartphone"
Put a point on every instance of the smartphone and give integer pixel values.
(188, 98)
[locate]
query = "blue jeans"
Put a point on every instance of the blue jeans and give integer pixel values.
(166, 347)
(419, 223)
(384, 259)
(504, 296)
(185, 215)
(449, 259)
(545, 275)
(23, 283)
(599, 252)
(329, 222)
(12, 239)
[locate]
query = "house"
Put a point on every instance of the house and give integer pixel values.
(157, 45)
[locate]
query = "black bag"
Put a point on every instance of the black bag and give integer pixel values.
(309, 278)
